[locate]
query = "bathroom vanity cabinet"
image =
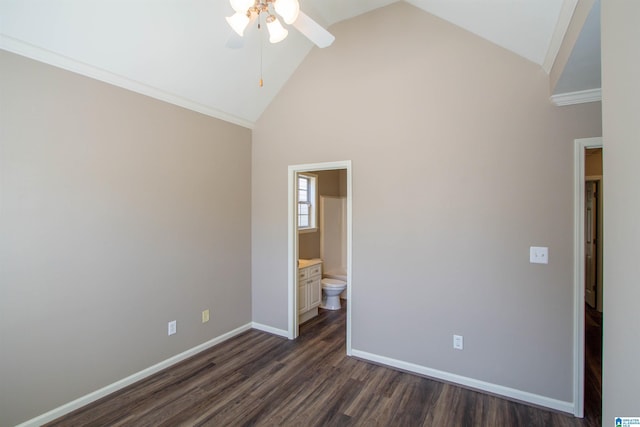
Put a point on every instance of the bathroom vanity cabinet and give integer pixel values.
(309, 288)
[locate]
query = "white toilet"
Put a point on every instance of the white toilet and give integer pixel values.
(332, 287)
(333, 250)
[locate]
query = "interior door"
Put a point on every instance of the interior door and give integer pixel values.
(590, 239)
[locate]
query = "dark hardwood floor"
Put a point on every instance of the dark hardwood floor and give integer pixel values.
(593, 365)
(263, 380)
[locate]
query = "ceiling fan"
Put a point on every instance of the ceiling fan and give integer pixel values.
(247, 11)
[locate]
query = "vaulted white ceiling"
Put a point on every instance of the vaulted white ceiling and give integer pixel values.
(175, 50)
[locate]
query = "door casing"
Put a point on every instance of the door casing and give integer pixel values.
(578, 268)
(292, 245)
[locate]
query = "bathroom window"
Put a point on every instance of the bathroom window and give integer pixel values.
(307, 202)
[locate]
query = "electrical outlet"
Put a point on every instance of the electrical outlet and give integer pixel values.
(205, 316)
(172, 327)
(538, 255)
(458, 342)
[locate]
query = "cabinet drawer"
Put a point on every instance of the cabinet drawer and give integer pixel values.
(315, 270)
(303, 273)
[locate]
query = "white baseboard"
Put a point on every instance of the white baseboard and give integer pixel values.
(515, 394)
(92, 397)
(496, 389)
(270, 329)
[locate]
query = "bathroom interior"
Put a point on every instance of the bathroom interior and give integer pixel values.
(322, 250)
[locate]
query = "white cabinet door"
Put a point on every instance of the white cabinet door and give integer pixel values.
(314, 291)
(309, 288)
(303, 304)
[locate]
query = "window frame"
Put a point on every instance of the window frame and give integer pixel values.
(312, 202)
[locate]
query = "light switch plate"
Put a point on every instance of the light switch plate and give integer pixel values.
(538, 255)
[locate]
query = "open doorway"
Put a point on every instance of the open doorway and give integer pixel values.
(593, 283)
(588, 284)
(593, 228)
(309, 244)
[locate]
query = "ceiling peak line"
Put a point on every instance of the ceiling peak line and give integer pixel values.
(564, 19)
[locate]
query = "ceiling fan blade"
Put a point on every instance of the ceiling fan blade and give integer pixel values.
(313, 30)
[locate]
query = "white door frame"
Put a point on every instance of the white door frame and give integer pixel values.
(292, 245)
(578, 270)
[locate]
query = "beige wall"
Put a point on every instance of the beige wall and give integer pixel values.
(309, 245)
(447, 134)
(593, 162)
(621, 139)
(117, 215)
(343, 182)
(330, 183)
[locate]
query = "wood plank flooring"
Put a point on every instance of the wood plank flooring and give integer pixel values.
(257, 379)
(593, 365)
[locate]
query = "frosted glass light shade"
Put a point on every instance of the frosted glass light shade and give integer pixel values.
(277, 32)
(241, 5)
(287, 9)
(238, 21)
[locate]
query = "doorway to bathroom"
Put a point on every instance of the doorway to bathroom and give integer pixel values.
(588, 283)
(332, 186)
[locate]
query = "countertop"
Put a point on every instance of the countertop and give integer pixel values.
(304, 263)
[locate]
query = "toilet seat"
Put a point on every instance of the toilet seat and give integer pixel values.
(338, 275)
(333, 283)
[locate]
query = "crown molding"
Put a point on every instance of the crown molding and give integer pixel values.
(48, 57)
(579, 97)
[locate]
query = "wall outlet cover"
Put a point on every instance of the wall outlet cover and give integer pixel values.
(538, 255)
(172, 327)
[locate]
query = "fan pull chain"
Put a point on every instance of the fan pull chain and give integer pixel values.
(261, 44)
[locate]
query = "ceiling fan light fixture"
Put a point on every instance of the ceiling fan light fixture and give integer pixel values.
(277, 32)
(241, 5)
(238, 21)
(287, 9)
